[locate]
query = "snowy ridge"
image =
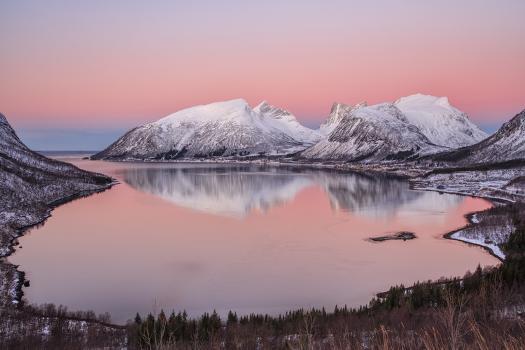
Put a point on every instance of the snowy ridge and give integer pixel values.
(286, 122)
(229, 128)
(28, 177)
(409, 128)
(373, 133)
(507, 144)
(440, 122)
(337, 113)
(29, 184)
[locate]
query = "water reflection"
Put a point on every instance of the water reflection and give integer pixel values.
(301, 240)
(238, 190)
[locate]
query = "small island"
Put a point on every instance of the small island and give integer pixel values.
(402, 235)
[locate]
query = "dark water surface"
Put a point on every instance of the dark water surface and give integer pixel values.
(201, 237)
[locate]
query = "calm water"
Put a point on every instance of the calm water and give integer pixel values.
(204, 237)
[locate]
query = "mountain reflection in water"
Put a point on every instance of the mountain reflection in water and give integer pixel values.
(235, 191)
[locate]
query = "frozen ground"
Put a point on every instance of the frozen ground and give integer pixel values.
(500, 184)
(491, 228)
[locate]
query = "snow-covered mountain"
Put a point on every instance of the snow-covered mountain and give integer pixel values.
(338, 111)
(230, 128)
(441, 123)
(508, 143)
(411, 127)
(372, 133)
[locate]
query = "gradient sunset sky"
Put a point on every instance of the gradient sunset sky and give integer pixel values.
(75, 74)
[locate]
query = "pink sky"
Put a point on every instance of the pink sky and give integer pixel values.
(105, 65)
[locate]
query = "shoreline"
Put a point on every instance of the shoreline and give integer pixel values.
(468, 216)
(20, 280)
(21, 231)
(449, 235)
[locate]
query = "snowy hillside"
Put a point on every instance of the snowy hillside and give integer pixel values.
(372, 133)
(440, 122)
(29, 185)
(230, 128)
(30, 181)
(508, 143)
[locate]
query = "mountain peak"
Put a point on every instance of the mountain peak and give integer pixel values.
(215, 111)
(337, 105)
(371, 133)
(263, 105)
(3, 119)
(419, 99)
(337, 113)
(516, 122)
(266, 108)
(441, 122)
(233, 103)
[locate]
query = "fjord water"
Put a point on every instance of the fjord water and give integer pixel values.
(199, 237)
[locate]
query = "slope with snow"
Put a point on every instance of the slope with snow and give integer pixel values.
(440, 122)
(372, 133)
(30, 181)
(29, 185)
(230, 128)
(507, 144)
(286, 122)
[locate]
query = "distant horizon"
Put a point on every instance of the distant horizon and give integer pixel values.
(98, 68)
(71, 139)
(95, 140)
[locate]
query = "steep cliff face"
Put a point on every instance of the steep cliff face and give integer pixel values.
(337, 113)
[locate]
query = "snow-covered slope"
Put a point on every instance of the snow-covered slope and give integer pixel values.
(372, 133)
(286, 122)
(22, 169)
(229, 128)
(29, 185)
(337, 113)
(30, 181)
(508, 143)
(440, 122)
